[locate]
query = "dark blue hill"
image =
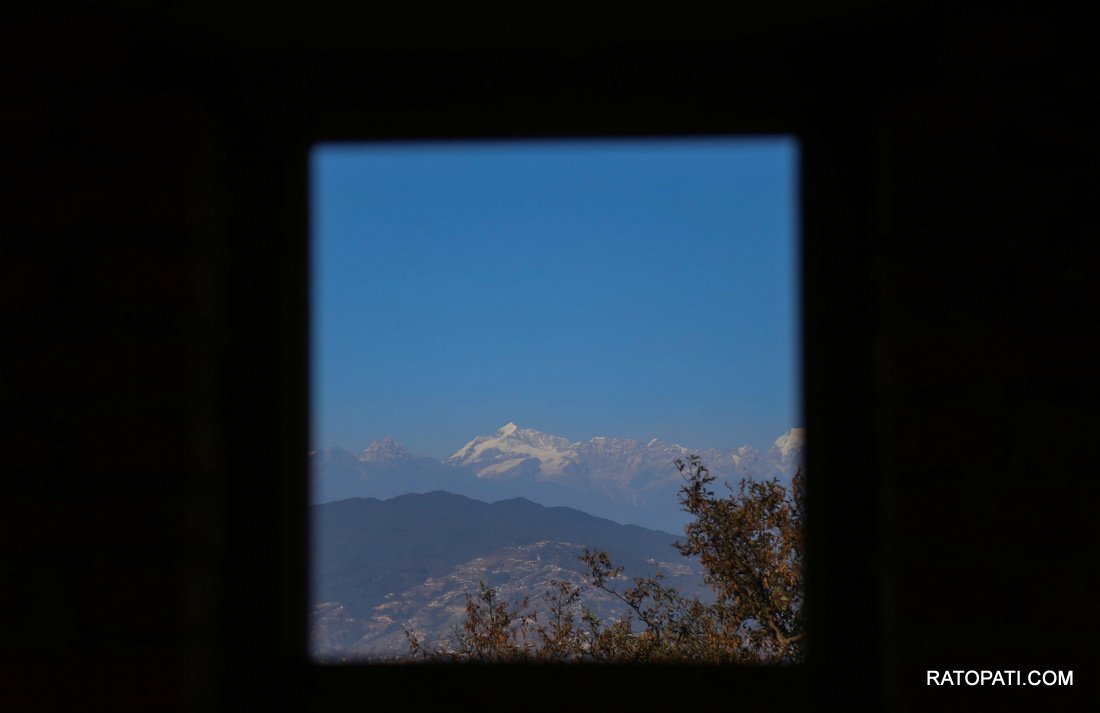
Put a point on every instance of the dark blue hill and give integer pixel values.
(365, 548)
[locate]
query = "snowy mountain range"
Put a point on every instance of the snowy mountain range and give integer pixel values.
(623, 479)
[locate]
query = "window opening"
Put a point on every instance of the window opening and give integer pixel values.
(524, 355)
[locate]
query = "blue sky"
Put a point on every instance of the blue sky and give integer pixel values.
(618, 288)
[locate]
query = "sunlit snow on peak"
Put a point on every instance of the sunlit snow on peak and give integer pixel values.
(790, 441)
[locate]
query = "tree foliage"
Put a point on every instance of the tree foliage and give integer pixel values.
(750, 546)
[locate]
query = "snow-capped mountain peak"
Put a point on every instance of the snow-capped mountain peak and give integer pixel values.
(512, 450)
(790, 441)
(385, 449)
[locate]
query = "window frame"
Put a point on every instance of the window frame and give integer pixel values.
(267, 342)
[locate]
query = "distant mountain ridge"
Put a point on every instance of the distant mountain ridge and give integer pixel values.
(623, 479)
(513, 450)
(381, 566)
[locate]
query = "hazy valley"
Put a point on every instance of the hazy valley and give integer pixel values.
(383, 566)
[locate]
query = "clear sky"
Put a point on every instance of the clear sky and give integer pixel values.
(585, 288)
